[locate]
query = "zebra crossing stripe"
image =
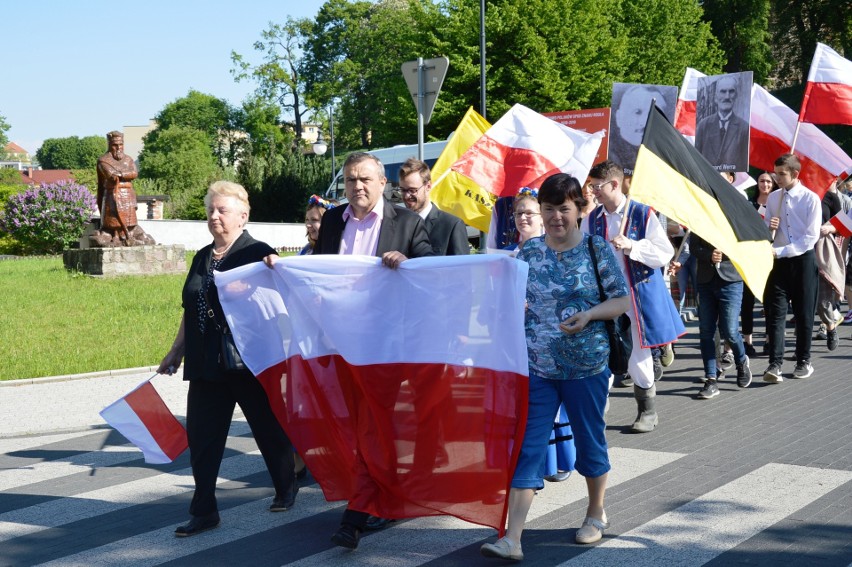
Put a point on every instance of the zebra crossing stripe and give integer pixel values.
(717, 521)
(55, 513)
(160, 546)
(425, 539)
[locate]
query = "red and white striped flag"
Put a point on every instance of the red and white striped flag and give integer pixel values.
(828, 94)
(843, 223)
(687, 99)
(524, 148)
(773, 126)
(413, 380)
(145, 420)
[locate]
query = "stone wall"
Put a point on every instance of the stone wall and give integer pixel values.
(126, 261)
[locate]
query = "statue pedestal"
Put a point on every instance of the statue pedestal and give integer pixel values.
(127, 260)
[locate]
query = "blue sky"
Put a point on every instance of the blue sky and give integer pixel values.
(88, 67)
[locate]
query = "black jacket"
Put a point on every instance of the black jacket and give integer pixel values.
(446, 233)
(703, 252)
(201, 354)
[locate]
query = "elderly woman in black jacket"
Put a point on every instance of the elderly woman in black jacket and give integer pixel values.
(214, 390)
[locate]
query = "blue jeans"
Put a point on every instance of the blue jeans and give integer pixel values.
(719, 301)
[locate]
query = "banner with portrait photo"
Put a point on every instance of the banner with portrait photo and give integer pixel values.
(630, 105)
(722, 117)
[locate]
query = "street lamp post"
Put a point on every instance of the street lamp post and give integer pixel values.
(331, 132)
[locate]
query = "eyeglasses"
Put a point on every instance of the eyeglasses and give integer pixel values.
(527, 214)
(598, 186)
(412, 191)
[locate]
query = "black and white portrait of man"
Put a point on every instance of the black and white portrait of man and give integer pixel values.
(722, 120)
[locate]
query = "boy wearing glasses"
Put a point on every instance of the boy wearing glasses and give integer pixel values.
(643, 248)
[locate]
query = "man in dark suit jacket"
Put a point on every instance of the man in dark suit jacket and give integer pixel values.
(446, 232)
(368, 225)
(722, 138)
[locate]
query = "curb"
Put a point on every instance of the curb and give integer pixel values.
(84, 376)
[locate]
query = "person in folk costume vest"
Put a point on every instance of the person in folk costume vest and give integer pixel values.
(642, 249)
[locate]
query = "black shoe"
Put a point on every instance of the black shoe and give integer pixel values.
(198, 524)
(831, 340)
(302, 473)
(284, 503)
(710, 390)
(750, 351)
(743, 374)
(347, 536)
(375, 523)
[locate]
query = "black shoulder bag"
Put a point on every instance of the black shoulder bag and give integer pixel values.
(229, 357)
(620, 348)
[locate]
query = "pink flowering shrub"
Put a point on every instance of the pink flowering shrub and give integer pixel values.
(49, 218)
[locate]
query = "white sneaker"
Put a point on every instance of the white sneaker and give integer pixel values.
(502, 549)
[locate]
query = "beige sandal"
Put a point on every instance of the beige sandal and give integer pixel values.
(591, 530)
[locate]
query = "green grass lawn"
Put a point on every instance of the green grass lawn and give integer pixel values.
(54, 322)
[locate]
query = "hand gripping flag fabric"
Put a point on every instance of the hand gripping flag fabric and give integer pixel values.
(773, 126)
(828, 93)
(405, 391)
(455, 193)
(523, 149)
(145, 420)
(672, 177)
(842, 222)
(687, 101)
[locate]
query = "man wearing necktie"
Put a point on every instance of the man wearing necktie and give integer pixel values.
(722, 137)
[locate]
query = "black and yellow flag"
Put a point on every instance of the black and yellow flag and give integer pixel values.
(673, 178)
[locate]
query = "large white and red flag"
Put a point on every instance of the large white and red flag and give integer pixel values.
(773, 126)
(687, 100)
(524, 148)
(843, 223)
(828, 93)
(145, 420)
(404, 390)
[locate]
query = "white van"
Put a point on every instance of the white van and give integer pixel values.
(392, 159)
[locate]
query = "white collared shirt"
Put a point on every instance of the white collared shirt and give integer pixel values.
(655, 250)
(800, 214)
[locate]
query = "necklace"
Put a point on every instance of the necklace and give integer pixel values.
(224, 250)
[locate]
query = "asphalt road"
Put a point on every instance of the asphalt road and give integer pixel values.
(761, 476)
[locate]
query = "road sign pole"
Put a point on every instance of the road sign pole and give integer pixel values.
(421, 103)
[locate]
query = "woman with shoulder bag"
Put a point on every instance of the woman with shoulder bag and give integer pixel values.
(213, 366)
(568, 350)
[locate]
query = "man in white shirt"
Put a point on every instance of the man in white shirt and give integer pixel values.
(793, 214)
(642, 248)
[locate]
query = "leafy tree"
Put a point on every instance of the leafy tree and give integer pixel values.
(279, 75)
(4, 127)
(279, 187)
(71, 152)
(547, 54)
(213, 117)
(179, 159)
(796, 29)
(261, 125)
(742, 28)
